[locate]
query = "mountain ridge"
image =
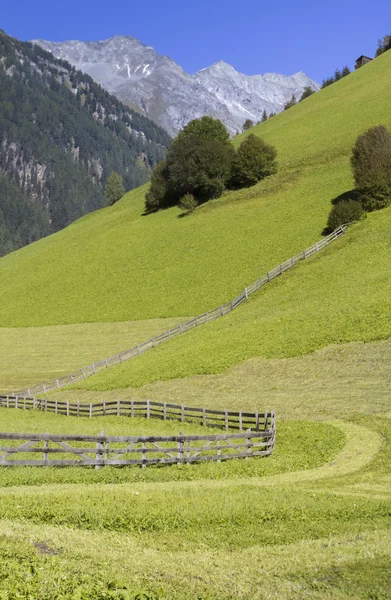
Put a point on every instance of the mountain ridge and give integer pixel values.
(162, 90)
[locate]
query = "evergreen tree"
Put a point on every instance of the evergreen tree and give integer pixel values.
(383, 45)
(248, 124)
(264, 116)
(308, 91)
(290, 102)
(114, 190)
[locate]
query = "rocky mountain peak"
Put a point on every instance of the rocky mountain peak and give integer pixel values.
(159, 88)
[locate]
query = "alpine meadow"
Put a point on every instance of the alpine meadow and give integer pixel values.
(313, 518)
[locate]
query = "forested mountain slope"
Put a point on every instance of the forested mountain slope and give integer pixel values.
(61, 135)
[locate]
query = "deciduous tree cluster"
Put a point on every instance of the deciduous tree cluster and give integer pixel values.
(202, 162)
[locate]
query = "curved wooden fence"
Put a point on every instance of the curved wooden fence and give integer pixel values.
(187, 325)
(256, 437)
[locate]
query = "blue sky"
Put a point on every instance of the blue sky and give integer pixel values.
(254, 36)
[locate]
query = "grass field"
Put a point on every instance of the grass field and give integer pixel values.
(31, 354)
(313, 520)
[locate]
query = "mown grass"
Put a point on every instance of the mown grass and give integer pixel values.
(338, 380)
(32, 354)
(117, 265)
(267, 537)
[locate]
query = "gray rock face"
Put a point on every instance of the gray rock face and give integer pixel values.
(163, 91)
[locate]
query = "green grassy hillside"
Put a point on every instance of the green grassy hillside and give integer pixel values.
(118, 265)
(311, 521)
(341, 295)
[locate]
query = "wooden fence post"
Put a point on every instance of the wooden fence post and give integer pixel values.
(240, 421)
(226, 419)
(148, 409)
(45, 452)
(182, 413)
(99, 448)
(204, 417)
(78, 408)
(104, 408)
(256, 421)
(165, 411)
(144, 455)
(248, 444)
(118, 408)
(132, 409)
(180, 448)
(67, 408)
(218, 451)
(90, 410)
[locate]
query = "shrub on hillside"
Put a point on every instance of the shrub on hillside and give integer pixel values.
(157, 195)
(255, 159)
(344, 212)
(375, 199)
(371, 159)
(188, 204)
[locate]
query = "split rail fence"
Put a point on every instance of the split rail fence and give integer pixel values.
(146, 409)
(186, 326)
(97, 451)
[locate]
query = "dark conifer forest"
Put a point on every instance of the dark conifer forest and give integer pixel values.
(61, 135)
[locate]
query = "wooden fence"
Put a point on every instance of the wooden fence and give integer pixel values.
(60, 450)
(224, 419)
(186, 326)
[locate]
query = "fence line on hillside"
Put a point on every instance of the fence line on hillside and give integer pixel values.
(211, 315)
(102, 450)
(147, 409)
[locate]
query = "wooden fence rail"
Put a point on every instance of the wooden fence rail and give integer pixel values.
(23, 449)
(186, 326)
(147, 409)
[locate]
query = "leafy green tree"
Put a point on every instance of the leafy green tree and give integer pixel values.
(114, 189)
(255, 159)
(371, 164)
(198, 167)
(248, 124)
(290, 102)
(308, 91)
(198, 162)
(206, 129)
